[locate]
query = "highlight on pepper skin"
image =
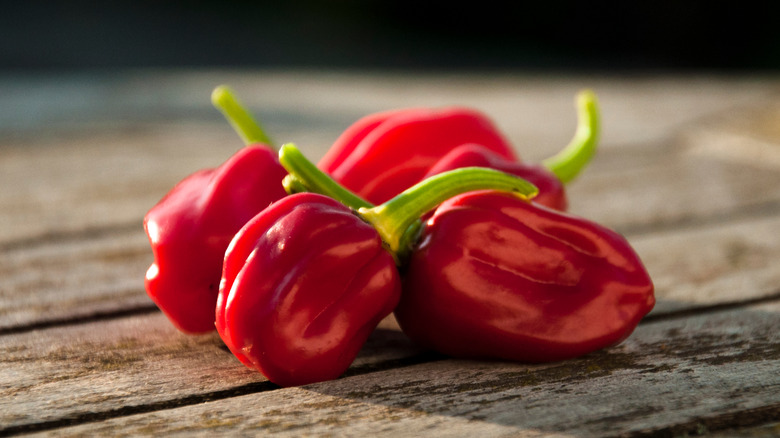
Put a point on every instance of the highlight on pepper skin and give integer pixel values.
(295, 270)
(190, 228)
(305, 282)
(495, 276)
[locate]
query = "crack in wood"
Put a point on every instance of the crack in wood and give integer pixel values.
(124, 411)
(62, 236)
(83, 319)
(246, 389)
(757, 210)
(675, 344)
(711, 308)
(706, 425)
(150, 308)
(753, 211)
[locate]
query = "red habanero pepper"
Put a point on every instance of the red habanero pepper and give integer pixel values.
(190, 228)
(551, 176)
(349, 140)
(495, 276)
(385, 153)
(307, 280)
(304, 284)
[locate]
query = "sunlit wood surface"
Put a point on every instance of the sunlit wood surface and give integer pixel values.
(688, 170)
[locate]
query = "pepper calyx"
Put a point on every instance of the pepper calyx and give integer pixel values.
(395, 220)
(305, 176)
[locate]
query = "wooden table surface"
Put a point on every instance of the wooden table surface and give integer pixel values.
(688, 170)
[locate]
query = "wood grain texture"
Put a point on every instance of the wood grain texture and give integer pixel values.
(135, 361)
(668, 373)
(535, 110)
(711, 264)
(99, 273)
(75, 277)
(83, 175)
(688, 170)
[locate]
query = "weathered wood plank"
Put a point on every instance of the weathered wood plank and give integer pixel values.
(680, 373)
(81, 276)
(110, 172)
(96, 182)
(710, 264)
(765, 431)
(109, 365)
(679, 189)
(97, 273)
(688, 168)
(67, 185)
(535, 110)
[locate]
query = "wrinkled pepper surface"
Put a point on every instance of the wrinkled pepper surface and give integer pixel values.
(305, 282)
(495, 276)
(190, 228)
(308, 279)
(383, 154)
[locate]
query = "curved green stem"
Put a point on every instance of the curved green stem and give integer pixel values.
(393, 219)
(569, 162)
(237, 115)
(397, 221)
(307, 177)
(293, 185)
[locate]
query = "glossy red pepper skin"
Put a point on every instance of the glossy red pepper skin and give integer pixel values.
(385, 153)
(498, 277)
(191, 227)
(552, 192)
(304, 284)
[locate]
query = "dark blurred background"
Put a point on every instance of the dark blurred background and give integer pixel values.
(390, 34)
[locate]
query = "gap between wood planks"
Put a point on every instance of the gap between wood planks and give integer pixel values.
(246, 389)
(64, 236)
(744, 418)
(151, 308)
(756, 211)
(741, 419)
(747, 418)
(767, 209)
(752, 417)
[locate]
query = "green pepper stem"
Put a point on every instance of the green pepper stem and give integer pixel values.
(570, 161)
(293, 185)
(306, 176)
(394, 219)
(238, 116)
(397, 221)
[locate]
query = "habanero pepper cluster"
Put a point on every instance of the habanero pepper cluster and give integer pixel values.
(470, 248)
